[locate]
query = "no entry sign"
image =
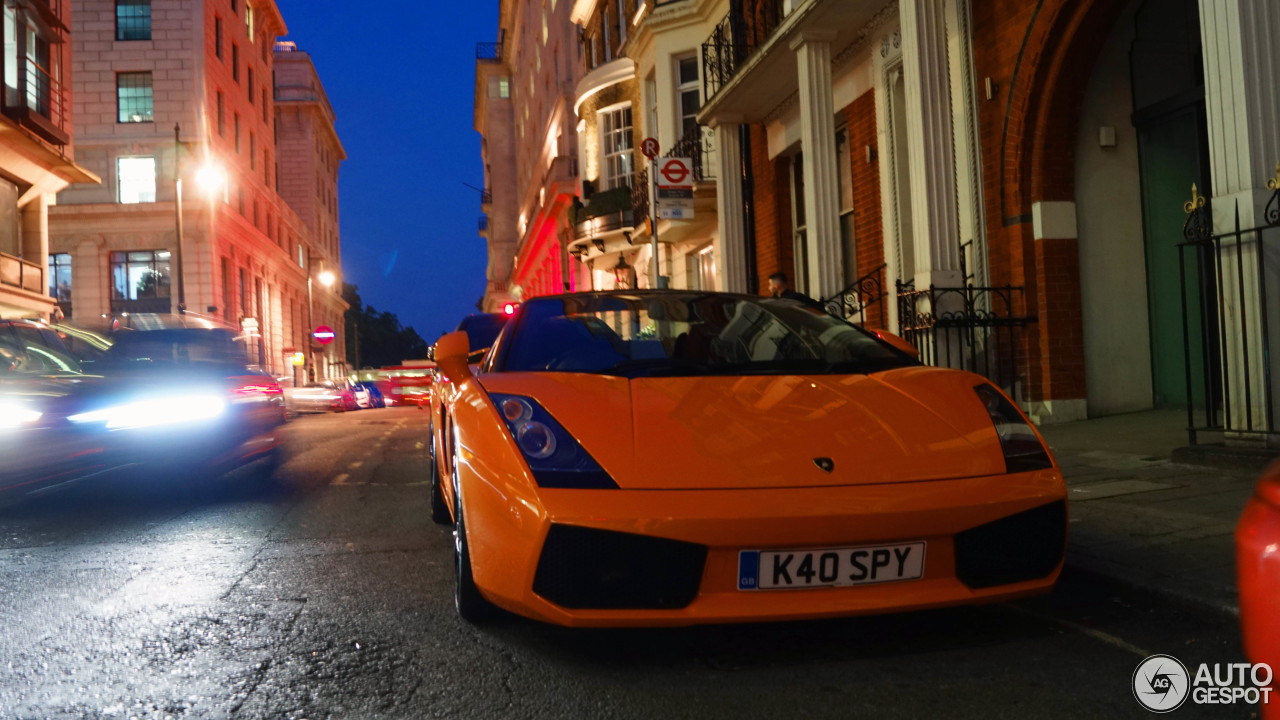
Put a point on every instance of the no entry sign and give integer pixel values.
(323, 334)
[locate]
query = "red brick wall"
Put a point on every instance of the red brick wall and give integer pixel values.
(868, 230)
(1040, 55)
(772, 197)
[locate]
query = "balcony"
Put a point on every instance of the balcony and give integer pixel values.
(734, 39)
(484, 225)
(486, 198)
(608, 211)
(39, 102)
(19, 273)
(491, 51)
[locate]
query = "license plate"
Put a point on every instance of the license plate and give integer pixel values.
(829, 567)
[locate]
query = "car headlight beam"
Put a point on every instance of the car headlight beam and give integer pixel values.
(152, 412)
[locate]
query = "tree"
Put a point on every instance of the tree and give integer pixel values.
(382, 339)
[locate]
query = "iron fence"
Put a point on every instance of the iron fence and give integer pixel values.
(862, 302)
(969, 328)
(739, 34)
(1227, 297)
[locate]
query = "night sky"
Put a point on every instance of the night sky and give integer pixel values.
(402, 84)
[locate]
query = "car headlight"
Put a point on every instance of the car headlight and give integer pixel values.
(153, 412)
(553, 455)
(1022, 448)
(15, 415)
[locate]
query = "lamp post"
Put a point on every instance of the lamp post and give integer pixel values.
(210, 178)
(326, 278)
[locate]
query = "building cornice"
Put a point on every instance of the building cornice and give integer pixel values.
(610, 73)
(583, 10)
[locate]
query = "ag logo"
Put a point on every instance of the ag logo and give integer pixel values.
(1161, 683)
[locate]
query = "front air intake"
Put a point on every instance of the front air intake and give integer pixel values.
(1025, 546)
(585, 568)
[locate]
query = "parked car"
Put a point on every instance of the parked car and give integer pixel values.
(1258, 577)
(175, 395)
(678, 457)
(325, 396)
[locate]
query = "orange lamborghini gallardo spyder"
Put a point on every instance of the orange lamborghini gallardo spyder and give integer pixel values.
(679, 457)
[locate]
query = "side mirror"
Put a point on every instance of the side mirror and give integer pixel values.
(451, 355)
(898, 343)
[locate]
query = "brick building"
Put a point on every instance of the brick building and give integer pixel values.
(257, 222)
(37, 159)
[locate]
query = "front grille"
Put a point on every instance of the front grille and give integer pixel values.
(1025, 546)
(599, 569)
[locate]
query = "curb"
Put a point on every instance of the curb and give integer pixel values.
(1226, 457)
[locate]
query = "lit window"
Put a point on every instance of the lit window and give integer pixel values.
(134, 97)
(60, 276)
(615, 134)
(140, 275)
(504, 88)
(248, 20)
(133, 19)
(136, 179)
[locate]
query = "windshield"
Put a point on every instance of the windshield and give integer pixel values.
(175, 348)
(689, 334)
(482, 330)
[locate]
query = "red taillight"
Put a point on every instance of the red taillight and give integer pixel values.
(256, 389)
(509, 308)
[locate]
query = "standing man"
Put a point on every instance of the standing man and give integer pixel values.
(780, 287)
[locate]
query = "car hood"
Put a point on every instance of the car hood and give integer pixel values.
(770, 431)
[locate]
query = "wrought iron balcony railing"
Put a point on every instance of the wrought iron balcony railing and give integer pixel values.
(491, 51)
(733, 40)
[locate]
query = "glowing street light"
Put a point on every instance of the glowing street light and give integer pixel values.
(326, 278)
(211, 178)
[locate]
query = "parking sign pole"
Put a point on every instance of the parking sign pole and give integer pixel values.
(653, 222)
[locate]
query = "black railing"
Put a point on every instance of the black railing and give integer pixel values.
(491, 51)
(39, 102)
(969, 328)
(1226, 321)
(640, 194)
(697, 145)
(484, 223)
(608, 222)
(734, 39)
(862, 302)
(486, 197)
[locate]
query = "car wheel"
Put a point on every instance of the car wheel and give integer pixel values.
(471, 604)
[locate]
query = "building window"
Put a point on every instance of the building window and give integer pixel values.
(604, 31)
(227, 292)
(133, 19)
(234, 8)
(799, 225)
(688, 99)
(615, 134)
(235, 62)
(222, 115)
(60, 277)
(136, 180)
(622, 21)
(504, 88)
(844, 177)
(701, 266)
(217, 37)
(265, 103)
(248, 20)
(133, 97)
(237, 130)
(246, 310)
(140, 275)
(248, 82)
(253, 151)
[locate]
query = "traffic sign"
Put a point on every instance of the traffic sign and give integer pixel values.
(675, 173)
(324, 334)
(650, 148)
(675, 188)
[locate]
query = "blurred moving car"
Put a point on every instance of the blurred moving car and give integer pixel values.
(1258, 577)
(171, 394)
(368, 395)
(676, 457)
(325, 396)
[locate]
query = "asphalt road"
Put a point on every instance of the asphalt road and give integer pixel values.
(332, 598)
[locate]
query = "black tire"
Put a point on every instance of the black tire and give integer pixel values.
(471, 604)
(439, 511)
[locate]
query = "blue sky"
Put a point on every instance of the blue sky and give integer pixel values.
(402, 81)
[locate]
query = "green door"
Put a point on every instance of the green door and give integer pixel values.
(1171, 151)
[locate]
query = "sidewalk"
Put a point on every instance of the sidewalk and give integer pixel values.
(1141, 518)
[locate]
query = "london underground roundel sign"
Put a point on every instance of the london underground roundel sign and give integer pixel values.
(323, 334)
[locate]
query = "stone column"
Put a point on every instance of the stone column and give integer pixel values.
(1241, 40)
(934, 213)
(731, 257)
(821, 181)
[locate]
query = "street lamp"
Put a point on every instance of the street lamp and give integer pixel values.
(210, 178)
(326, 278)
